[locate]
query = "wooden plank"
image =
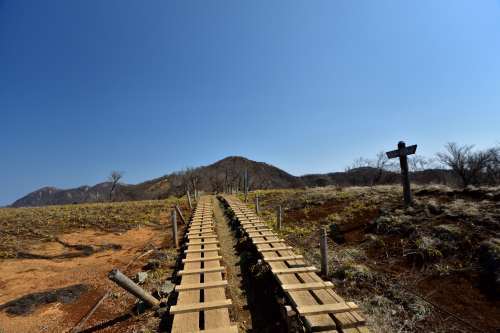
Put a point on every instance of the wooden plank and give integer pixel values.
(201, 250)
(326, 308)
(268, 241)
(202, 259)
(306, 286)
(201, 270)
(202, 237)
(230, 329)
(260, 234)
(278, 248)
(305, 269)
(203, 306)
(202, 243)
(283, 258)
(197, 286)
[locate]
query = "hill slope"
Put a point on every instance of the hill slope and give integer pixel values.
(224, 174)
(214, 177)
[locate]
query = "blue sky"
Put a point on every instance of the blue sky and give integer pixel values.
(149, 87)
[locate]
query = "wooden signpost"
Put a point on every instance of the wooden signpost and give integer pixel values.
(402, 152)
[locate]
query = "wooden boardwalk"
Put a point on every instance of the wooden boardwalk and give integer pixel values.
(315, 301)
(202, 305)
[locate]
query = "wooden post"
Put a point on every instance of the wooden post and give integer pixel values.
(174, 228)
(278, 218)
(402, 152)
(178, 210)
(405, 178)
(257, 208)
(123, 281)
(245, 184)
(323, 247)
(189, 200)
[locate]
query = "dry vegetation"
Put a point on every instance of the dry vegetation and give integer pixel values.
(69, 250)
(22, 227)
(403, 265)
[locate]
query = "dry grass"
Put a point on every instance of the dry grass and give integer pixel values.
(399, 253)
(21, 227)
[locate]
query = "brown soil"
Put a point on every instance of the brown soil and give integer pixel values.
(240, 312)
(20, 277)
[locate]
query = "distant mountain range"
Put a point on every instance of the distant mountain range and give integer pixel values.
(224, 174)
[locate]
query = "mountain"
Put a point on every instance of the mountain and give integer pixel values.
(227, 173)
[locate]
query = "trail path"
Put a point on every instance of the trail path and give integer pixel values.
(231, 261)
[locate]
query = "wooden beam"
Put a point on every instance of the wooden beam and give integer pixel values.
(196, 286)
(202, 250)
(273, 249)
(201, 270)
(284, 258)
(326, 308)
(268, 241)
(202, 259)
(203, 306)
(306, 269)
(306, 286)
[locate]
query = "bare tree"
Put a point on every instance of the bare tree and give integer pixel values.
(114, 178)
(418, 163)
(380, 165)
(469, 165)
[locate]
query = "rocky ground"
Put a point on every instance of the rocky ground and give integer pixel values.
(431, 267)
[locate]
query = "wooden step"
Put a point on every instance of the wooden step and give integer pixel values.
(256, 234)
(258, 229)
(196, 233)
(306, 310)
(202, 237)
(306, 286)
(284, 258)
(273, 249)
(202, 259)
(306, 269)
(201, 250)
(202, 243)
(268, 241)
(203, 306)
(201, 270)
(230, 329)
(196, 286)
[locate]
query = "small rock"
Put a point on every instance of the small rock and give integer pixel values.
(166, 288)
(141, 277)
(152, 264)
(162, 311)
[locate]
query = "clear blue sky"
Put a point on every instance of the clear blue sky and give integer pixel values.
(149, 87)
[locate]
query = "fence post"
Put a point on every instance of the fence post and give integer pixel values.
(189, 200)
(123, 281)
(278, 218)
(174, 228)
(245, 184)
(257, 208)
(323, 246)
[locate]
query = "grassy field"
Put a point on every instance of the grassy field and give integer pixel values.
(402, 265)
(21, 227)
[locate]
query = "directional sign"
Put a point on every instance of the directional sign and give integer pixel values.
(402, 152)
(410, 150)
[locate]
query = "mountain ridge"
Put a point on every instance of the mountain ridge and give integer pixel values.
(224, 174)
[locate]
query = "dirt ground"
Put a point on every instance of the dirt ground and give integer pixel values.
(20, 277)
